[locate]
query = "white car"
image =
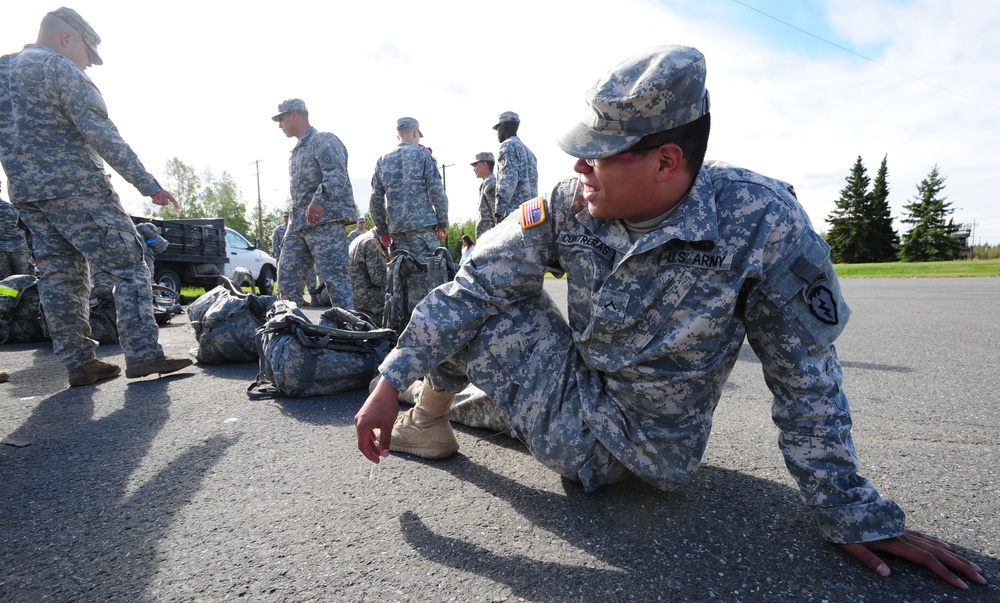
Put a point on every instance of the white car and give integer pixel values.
(243, 253)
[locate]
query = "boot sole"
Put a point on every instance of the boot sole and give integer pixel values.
(137, 373)
(87, 380)
(426, 453)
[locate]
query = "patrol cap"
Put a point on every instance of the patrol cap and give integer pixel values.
(292, 104)
(90, 37)
(656, 90)
(409, 123)
(483, 157)
(507, 116)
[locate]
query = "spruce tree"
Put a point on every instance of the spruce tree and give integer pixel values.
(846, 236)
(931, 236)
(882, 240)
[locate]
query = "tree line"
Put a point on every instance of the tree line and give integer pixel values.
(861, 228)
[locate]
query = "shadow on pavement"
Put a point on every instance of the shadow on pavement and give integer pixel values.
(77, 516)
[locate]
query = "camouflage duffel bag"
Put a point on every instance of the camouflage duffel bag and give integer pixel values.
(21, 318)
(301, 359)
(225, 324)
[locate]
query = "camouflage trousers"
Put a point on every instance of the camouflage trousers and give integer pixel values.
(70, 235)
(421, 242)
(535, 387)
(324, 247)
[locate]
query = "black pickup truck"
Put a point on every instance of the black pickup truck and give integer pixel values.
(201, 250)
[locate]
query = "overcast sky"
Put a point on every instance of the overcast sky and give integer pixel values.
(800, 100)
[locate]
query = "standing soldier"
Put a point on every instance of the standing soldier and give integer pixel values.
(483, 166)
(322, 205)
(408, 203)
(277, 236)
(517, 175)
(54, 133)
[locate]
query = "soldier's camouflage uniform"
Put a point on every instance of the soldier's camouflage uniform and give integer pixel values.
(277, 237)
(517, 175)
(14, 256)
(318, 173)
(487, 205)
(654, 330)
(367, 267)
(408, 199)
(54, 132)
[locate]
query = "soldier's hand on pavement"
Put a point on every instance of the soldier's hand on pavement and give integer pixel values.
(378, 412)
(930, 552)
(313, 213)
(164, 198)
(442, 234)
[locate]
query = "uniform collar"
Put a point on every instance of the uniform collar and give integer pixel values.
(694, 219)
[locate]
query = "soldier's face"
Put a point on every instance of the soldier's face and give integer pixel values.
(621, 187)
(482, 169)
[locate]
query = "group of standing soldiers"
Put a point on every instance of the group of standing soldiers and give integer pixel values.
(408, 205)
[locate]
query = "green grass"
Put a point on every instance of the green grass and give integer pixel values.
(957, 268)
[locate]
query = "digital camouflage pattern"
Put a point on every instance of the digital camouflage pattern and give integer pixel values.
(14, 255)
(487, 205)
(407, 191)
(318, 173)
(367, 267)
(55, 131)
(654, 330)
(517, 176)
(55, 136)
(657, 90)
(277, 237)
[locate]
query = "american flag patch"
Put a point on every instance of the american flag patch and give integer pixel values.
(533, 212)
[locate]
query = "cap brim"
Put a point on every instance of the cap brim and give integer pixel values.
(583, 143)
(278, 116)
(95, 59)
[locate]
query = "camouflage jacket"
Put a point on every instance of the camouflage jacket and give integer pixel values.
(367, 267)
(277, 237)
(517, 175)
(318, 173)
(55, 130)
(488, 200)
(407, 192)
(660, 323)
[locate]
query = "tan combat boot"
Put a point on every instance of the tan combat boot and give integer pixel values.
(424, 430)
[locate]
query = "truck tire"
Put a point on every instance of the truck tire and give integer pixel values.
(169, 279)
(265, 283)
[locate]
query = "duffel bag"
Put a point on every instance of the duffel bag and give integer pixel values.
(300, 359)
(226, 325)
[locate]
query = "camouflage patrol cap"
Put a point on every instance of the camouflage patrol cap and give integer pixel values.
(291, 104)
(409, 123)
(507, 116)
(90, 38)
(483, 157)
(151, 234)
(656, 90)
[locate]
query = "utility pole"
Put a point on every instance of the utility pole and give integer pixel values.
(444, 179)
(260, 210)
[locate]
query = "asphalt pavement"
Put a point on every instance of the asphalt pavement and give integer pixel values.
(182, 489)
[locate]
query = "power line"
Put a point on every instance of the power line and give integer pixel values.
(883, 65)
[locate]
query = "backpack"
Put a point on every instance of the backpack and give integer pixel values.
(410, 280)
(301, 359)
(21, 318)
(225, 322)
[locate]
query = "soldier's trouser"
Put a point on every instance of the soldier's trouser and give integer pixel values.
(67, 236)
(421, 242)
(526, 362)
(323, 246)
